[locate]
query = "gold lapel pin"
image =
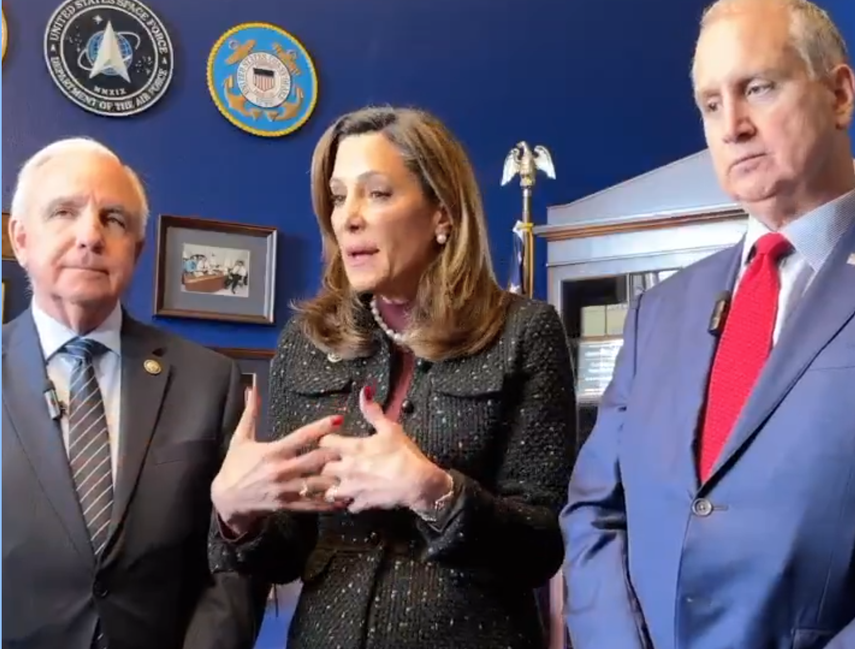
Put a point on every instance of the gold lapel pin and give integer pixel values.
(152, 366)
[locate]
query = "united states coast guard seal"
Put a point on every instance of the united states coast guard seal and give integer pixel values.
(262, 79)
(110, 57)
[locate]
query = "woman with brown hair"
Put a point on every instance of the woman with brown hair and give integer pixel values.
(442, 407)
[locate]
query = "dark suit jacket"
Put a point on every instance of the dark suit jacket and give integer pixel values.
(152, 587)
(503, 422)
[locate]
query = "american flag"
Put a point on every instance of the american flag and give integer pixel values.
(515, 284)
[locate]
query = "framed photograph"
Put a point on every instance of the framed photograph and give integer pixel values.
(8, 253)
(16, 296)
(215, 270)
(254, 365)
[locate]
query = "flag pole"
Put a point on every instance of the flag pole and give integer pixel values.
(526, 162)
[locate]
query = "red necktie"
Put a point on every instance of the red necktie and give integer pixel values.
(744, 346)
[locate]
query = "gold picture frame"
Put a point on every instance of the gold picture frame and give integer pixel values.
(8, 251)
(5, 34)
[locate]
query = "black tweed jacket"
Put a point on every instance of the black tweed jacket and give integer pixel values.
(503, 422)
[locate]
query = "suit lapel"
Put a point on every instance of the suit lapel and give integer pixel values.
(25, 382)
(145, 375)
(823, 311)
(697, 347)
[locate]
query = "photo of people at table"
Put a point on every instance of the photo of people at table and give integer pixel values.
(216, 271)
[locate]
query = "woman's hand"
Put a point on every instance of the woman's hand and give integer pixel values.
(257, 478)
(385, 470)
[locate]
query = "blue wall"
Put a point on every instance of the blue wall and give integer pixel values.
(603, 84)
(609, 100)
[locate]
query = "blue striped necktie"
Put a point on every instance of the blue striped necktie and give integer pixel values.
(89, 442)
(89, 448)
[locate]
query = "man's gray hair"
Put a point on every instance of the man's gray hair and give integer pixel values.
(814, 35)
(27, 176)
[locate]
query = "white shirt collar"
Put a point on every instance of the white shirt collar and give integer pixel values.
(756, 229)
(53, 335)
(813, 235)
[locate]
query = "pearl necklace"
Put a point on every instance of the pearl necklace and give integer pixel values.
(397, 337)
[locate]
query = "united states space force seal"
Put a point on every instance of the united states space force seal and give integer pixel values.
(262, 79)
(110, 57)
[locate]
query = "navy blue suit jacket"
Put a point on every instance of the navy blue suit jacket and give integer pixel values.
(762, 554)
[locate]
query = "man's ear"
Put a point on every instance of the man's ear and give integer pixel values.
(139, 248)
(842, 83)
(18, 239)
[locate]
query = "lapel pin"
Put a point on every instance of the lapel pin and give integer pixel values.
(152, 366)
(851, 260)
(333, 358)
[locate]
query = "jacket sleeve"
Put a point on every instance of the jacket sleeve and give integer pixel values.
(281, 544)
(230, 610)
(600, 608)
(511, 529)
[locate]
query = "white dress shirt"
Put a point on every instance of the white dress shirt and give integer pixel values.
(813, 237)
(108, 368)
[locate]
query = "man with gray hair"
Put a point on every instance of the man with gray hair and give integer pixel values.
(112, 434)
(713, 505)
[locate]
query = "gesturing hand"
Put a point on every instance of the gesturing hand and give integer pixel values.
(385, 470)
(257, 478)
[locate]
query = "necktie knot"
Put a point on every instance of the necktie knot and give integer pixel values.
(773, 245)
(84, 349)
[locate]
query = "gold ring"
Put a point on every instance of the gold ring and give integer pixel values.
(304, 491)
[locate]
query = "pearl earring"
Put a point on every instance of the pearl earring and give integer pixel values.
(441, 238)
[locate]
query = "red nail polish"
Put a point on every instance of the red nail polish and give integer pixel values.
(368, 391)
(337, 420)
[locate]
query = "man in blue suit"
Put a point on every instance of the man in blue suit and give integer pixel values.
(713, 506)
